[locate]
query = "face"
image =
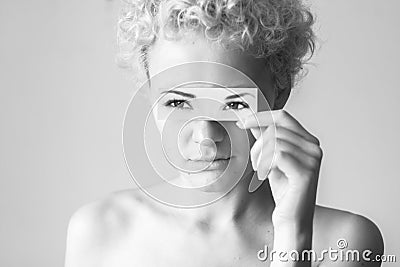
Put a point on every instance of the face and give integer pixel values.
(211, 153)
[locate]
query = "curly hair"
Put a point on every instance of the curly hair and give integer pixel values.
(277, 30)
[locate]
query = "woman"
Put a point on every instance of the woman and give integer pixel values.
(267, 40)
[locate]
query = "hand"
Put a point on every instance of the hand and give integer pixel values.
(296, 158)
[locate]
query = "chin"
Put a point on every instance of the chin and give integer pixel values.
(203, 178)
(214, 181)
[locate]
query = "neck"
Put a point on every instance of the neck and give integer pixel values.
(237, 205)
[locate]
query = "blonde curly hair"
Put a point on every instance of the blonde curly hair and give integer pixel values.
(277, 30)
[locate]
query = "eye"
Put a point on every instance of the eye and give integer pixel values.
(237, 105)
(178, 103)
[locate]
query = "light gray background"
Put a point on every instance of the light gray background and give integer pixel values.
(62, 102)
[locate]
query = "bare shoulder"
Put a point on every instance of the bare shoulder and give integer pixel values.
(96, 225)
(334, 228)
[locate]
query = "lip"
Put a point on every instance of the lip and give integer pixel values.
(213, 165)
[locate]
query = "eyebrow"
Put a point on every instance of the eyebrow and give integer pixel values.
(194, 96)
(238, 96)
(179, 93)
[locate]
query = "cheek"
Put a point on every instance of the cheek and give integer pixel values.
(159, 124)
(242, 140)
(250, 137)
(185, 133)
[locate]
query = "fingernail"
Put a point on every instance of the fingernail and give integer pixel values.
(254, 166)
(240, 124)
(264, 177)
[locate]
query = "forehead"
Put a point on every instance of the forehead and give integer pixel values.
(199, 74)
(173, 63)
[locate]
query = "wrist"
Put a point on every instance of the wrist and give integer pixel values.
(293, 226)
(291, 239)
(293, 236)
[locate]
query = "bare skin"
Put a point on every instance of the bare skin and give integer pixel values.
(130, 229)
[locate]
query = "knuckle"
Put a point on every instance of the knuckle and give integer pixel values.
(278, 141)
(282, 113)
(278, 131)
(281, 145)
(320, 152)
(316, 140)
(316, 151)
(269, 131)
(281, 155)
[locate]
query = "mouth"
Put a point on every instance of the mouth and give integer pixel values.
(212, 165)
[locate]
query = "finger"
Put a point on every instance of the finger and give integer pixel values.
(254, 183)
(255, 154)
(276, 118)
(265, 164)
(293, 169)
(278, 182)
(257, 131)
(275, 174)
(259, 119)
(266, 146)
(264, 158)
(302, 156)
(298, 140)
(261, 146)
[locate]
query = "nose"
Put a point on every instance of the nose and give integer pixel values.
(204, 130)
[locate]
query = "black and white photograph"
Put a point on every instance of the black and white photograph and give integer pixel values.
(199, 133)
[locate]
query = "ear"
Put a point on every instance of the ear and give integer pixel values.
(281, 98)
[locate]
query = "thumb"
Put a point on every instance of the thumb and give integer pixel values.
(256, 132)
